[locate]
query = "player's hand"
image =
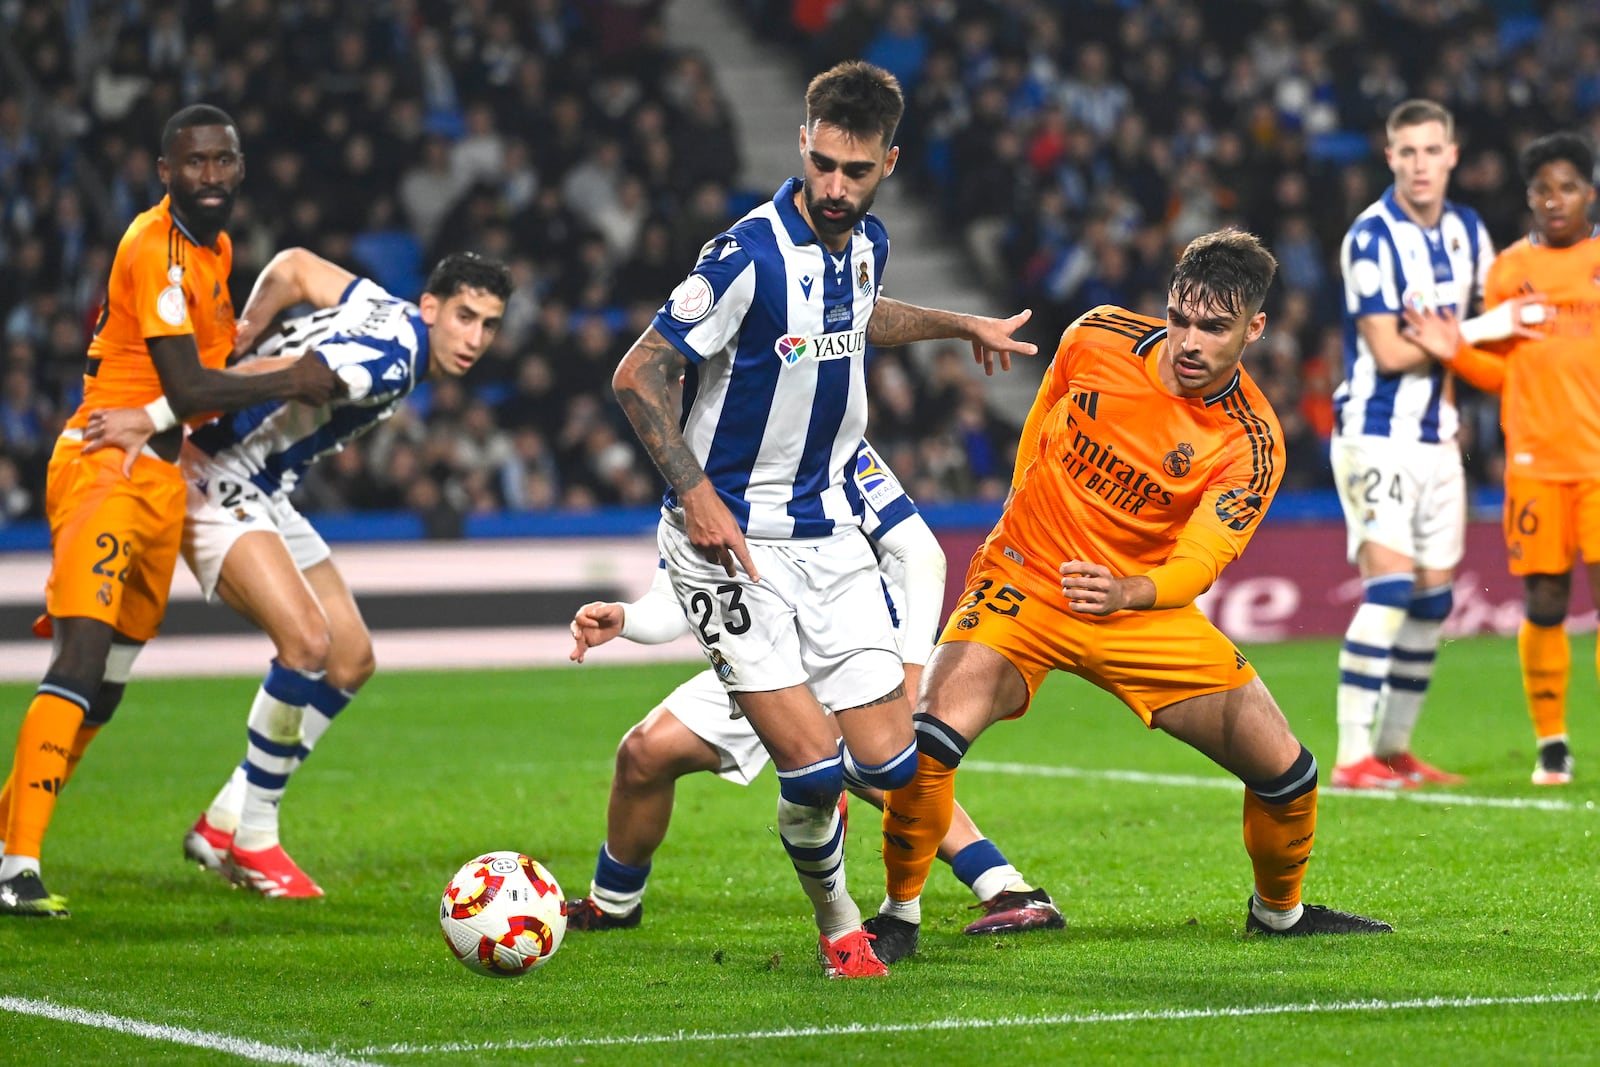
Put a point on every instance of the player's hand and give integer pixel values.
(245, 336)
(992, 340)
(124, 428)
(714, 532)
(1437, 333)
(314, 382)
(594, 624)
(1091, 588)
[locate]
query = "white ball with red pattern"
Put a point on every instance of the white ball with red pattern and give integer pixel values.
(503, 915)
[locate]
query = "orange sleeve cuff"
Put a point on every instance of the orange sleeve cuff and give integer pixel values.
(1480, 369)
(1178, 581)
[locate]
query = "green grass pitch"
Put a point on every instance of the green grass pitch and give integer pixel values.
(1492, 888)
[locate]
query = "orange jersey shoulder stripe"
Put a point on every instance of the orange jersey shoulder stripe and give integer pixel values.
(1120, 471)
(162, 284)
(1550, 404)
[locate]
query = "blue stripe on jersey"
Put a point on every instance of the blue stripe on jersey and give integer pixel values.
(815, 472)
(344, 423)
(229, 429)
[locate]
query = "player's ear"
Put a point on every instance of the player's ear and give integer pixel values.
(803, 140)
(429, 306)
(1258, 324)
(890, 160)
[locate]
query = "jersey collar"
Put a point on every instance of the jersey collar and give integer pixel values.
(177, 223)
(1535, 240)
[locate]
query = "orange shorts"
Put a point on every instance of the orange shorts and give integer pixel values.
(1146, 659)
(1547, 524)
(114, 540)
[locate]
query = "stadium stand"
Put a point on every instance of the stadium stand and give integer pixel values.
(1068, 147)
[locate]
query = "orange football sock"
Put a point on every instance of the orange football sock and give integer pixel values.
(915, 820)
(44, 747)
(80, 743)
(1278, 838)
(1546, 664)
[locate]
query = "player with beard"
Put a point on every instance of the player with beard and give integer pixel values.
(116, 521)
(761, 526)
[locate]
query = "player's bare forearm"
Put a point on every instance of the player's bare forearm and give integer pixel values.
(294, 276)
(644, 383)
(897, 323)
(193, 389)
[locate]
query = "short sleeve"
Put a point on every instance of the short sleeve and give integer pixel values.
(1367, 262)
(888, 504)
(155, 294)
(706, 310)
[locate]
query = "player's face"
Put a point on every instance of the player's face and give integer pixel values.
(842, 176)
(202, 172)
(1205, 344)
(1421, 157)
(1559, 197)
(460, 329)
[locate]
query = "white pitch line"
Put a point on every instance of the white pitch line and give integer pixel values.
(247, 1049)
(1004, 1022)
(1411, 796)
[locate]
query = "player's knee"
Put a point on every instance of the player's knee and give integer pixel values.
(104, 705)
(939, 740)
(1389, 591)
(351, 668)
(814, 786)
(1296, 782)
(304, 645)
(640, 761)
(893, 773)
(1432, 605)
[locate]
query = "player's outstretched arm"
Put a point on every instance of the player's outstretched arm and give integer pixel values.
(294, 276)
(653, 619)
(644, 382)
(897, 323)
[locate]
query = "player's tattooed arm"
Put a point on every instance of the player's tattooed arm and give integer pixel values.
(646, 386)
(897, 323)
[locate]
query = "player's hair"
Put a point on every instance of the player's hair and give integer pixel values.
(1568, 146)
(1230, 267)
(858, 98)
(191, 116)
(1416, 112)
(468, 270)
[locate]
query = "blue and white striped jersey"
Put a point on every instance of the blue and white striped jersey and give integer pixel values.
(376, 343)
(774, 400)
(1388, 263)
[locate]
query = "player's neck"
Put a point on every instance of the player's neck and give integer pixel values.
(199, 235)
(1427, 217)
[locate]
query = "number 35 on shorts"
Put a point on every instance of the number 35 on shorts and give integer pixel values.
(1007, 600)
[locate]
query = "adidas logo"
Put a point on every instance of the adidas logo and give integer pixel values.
(49, 785)
(1089, 402)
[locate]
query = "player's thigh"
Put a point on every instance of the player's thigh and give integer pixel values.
(1542, 524)
(697, 728)
(1440, 537)
(259, 580)
(995, 651)
(1378, 493)
(114, 540)
(1242, 730)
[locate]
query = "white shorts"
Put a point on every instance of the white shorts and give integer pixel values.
(1408, 496)
(705, 707)
(818, 617)
(221, 508)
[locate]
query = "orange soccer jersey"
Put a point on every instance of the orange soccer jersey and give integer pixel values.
(1551, 398)
(162, 284)
(1115, 469)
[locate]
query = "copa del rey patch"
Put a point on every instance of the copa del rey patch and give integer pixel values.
(692, 299)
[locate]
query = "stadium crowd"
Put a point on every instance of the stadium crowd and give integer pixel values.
(1073, 147)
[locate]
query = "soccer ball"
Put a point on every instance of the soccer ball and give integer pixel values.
(503, 915)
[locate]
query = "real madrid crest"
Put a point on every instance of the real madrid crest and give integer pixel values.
(1177, 462)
